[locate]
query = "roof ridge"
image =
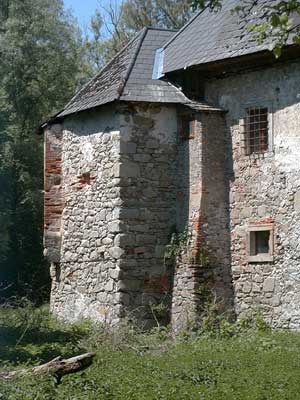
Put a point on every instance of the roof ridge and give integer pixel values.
(154, 28)
(128, 77)
(142, 33)
(105, 67)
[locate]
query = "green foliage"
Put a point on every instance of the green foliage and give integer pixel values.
(100, 48)
(170, 14)
(250, 364)
(177, 246)
(200, 258)
(122, 21)
(40, 68)
(211, 4)
(160, 310)
(279, 20)
(43, 60)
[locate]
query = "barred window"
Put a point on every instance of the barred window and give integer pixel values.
(256, 130)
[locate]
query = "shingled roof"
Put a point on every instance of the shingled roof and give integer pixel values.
(128, 76)
(213, 36)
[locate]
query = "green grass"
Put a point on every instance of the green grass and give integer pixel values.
(232, 363)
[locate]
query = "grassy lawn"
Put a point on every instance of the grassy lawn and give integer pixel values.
(232, 363)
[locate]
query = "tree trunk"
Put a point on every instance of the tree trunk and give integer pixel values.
(58, 367)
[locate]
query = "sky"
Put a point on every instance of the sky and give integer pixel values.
(84, 9)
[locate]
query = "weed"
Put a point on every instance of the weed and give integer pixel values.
(180, 245)
(241, 360)
(177, 245)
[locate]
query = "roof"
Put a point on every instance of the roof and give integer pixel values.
(128, 76)
(140, 86)
(212, 36)
(203, 106)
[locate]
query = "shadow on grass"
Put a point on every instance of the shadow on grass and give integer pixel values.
(37, 345)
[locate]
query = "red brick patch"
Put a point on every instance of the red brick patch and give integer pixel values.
(157, 284)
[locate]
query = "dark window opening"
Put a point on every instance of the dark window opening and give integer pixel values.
(256, 130)
(260, 243)
(187, 126)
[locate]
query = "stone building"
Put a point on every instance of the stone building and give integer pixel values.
(193, 133)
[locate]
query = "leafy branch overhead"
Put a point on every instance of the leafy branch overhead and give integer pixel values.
(278, 23)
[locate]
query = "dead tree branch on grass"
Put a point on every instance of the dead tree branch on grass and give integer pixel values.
(58, 367)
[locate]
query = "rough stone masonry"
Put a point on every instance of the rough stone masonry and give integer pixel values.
(265, 190)
(118, 212)
(124, 196)
(128, 168)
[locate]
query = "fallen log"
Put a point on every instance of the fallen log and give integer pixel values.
(58, 367)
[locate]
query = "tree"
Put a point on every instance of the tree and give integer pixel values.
(103, 46)
(123, 21)
(279, 22)
(158, 13)
(40, 68)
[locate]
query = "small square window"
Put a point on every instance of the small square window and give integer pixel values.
(256, 130)
(260, 243)
(187, 126)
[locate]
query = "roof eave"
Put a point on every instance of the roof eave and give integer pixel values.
(247, 61)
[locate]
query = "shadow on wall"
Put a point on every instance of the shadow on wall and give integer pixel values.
(215, 231)
(203, 273)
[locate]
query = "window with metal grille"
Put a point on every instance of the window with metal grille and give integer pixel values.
(256, 130)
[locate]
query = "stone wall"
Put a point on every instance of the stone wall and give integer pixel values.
(265, 188)
(119, 181)
(85, 281)
(203, 208)
(148, 193)
(118, 176)
(129, 182)
(53, 193)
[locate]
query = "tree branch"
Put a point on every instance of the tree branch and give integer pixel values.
(58, 367)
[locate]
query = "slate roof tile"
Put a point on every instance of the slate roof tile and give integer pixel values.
(107, 85)
(212, 36)
(128, 76)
